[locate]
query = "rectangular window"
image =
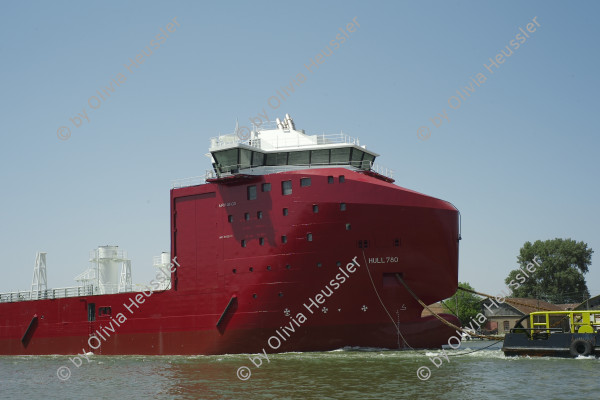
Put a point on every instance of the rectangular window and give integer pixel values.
(342, 206)
(258, 159)
(286, 188)
(243, 243)
(304, 182)
(396, 242)
(104, 312)
(284, 239)
(252, 192)
(342, 179)
(315, 208)
(259, 215)
(309, 237)
(261, 241)
(348, 227)
(91, 312)
(319, 157)
(266, 187)
(340, 156)
(506, 326)
(285, 212)
(247, 216)
(330, 179)
(298, 158)
(230, 218)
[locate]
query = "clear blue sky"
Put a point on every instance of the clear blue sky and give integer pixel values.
(518, 158)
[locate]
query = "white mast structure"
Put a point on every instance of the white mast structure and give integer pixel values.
(39, 284)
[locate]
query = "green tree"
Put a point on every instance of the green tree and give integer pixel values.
(559, 277)
(463, 304)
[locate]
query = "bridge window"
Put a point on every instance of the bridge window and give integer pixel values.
(319, 157)
(245, 157)
(258, 159)
(340, 156)
(286, 188)
(299, 158)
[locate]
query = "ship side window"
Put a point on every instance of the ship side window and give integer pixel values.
(91, 312)
(252, 192)
(266, 187)
(330, 179)
(315, 208)
(104, 312)
(309, 237)
(230, 218)
(247, 216)
(342, 206)
(243, 243)
(285, 212)
(286, 188)
(304, 182)
(283, 239)
(348, 227)
(259, 215)
(396, 242)
(261, 241)
(342, 179)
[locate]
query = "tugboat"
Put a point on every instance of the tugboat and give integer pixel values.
(556, 334)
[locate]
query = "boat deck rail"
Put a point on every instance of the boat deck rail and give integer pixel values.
(73, 291)
(282, 142)
(272, 169)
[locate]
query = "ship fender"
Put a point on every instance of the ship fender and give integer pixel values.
(580, 347)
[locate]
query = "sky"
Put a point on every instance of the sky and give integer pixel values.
(92, 140)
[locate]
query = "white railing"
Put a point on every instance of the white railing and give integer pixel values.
(282, 142)
(73, 291)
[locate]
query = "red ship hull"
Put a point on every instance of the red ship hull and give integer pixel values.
(251, 278)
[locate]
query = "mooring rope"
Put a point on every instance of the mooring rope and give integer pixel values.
(381, 301)
(442, 319)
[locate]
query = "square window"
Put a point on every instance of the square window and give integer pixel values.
(309, 237)
(252, 192)
(330, 179)
(266, 187)
(247, 216)
(283, 239)
(230, 218)
(286, 188)
(342, 179)
(315, 208)
(304, 182)
(342, 206)
(285, 212)
(259, 215)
